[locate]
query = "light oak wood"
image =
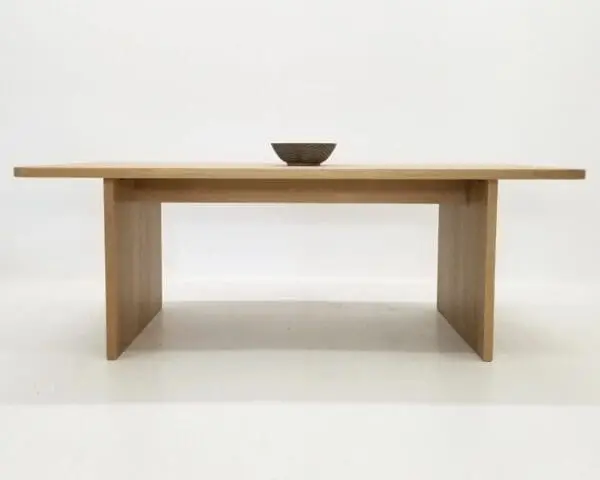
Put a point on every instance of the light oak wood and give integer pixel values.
(467, 196)
(466, 265)
(299, 191)
(133, 265)
(280, 171)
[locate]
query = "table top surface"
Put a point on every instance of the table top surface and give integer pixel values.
(280, 171)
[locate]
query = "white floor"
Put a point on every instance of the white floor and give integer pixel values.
(258, 389)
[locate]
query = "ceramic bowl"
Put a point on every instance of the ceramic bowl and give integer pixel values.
(303, 154)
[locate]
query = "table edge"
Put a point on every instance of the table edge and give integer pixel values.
(307, 173)
(310, 173)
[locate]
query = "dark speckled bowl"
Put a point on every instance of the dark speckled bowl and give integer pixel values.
(303, 154)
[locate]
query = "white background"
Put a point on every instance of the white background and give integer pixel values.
(429, 81)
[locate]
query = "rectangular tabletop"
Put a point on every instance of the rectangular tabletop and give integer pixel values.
(267, 171)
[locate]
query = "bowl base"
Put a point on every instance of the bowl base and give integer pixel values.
(303, 164)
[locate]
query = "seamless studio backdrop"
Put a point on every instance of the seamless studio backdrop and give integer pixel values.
(257, 371)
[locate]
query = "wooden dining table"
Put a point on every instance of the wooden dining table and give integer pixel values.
(467, 196)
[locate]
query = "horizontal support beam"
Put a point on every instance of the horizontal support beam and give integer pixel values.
(296, 191)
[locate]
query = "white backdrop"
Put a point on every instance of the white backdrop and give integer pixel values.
(512, 81)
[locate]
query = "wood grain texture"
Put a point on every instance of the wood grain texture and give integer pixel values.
(467, 224)
(133, 265)
(466, 265)
(281, 171)
(298, 191)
